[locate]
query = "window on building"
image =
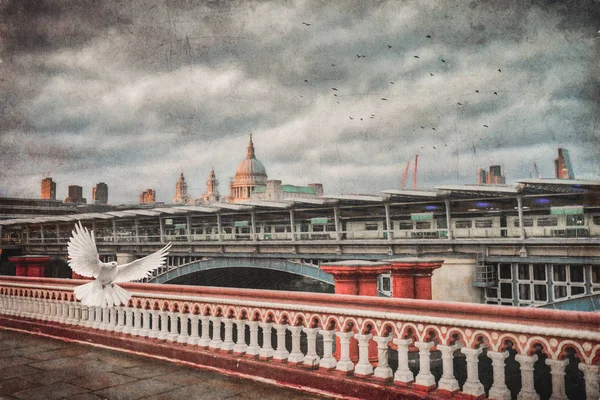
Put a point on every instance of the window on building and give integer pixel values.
(505, 271)
(245, 230)
(524, 271)
(371, 226)
(257, 229)
(227, 230)
(506, 290)
(540, 293)
(404, 225)
(596, 219)
(491, 292)
(577, 290)
(441, 223)
(330, 227)
(576, 274)
(483, 223)
(267, 228)
(524, 291)
(575, 220)
(595, 274)
(423, 225)
(318, 228)
(547, 221)
(559, 273)
(539, 272)
(463, 224)
(527, 222)
(386, 284)
(560, 292)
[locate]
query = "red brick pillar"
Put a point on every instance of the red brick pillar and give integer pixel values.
(411, 277)
(30, 265)
(358, 278)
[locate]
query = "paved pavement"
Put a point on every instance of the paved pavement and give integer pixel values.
(39, 368)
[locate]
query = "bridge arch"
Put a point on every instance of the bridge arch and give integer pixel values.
(276, 264)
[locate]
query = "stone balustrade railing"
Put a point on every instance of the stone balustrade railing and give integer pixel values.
(379, 347)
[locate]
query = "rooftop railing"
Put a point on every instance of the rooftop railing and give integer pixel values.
(369, 347)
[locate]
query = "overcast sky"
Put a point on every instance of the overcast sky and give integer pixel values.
(338, 92)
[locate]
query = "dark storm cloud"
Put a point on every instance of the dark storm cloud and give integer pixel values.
(129, 92)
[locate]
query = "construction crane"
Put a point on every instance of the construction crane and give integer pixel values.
(405, 175)
(537, 173)
(415, 172)
(403, 183)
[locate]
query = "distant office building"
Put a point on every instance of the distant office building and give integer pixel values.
(495, 176)
(563, 169)
(75, 195)
(48, 191)
(275, 190)
(181, 195)
(481, 176)
(148, 196)
(212, 192)
(492, 177)
(100, 193)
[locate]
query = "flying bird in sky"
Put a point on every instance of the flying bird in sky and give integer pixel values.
(496, 93)
(485, 126)
(306, 24)
(383, 98)
(442, 60)
(428, 36)
(389, 47)
(430, 74)
(477, 91)
(416, 56)
(460, 104)
(103, 291)
(333, 88)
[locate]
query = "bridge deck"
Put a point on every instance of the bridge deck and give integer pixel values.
(34, 367)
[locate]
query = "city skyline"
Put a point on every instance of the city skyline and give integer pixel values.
(340, 93)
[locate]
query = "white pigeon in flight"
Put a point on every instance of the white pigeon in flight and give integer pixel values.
(102, 291)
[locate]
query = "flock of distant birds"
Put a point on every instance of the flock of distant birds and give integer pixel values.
(392, 82)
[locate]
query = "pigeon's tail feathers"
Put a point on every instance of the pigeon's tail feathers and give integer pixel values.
(92, 294)
(120, 295)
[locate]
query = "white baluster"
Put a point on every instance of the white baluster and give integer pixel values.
(296, 356)
(267, 351)
(383, 371)
(328, 361)
(472, 386)
(71, 313)
(281, 354)
(499, 390)
(228, 343)
(121, 314)
(205, 338)
(128, 320)
(216, 341)
(345, 364)
(112, 319)
(194, 338)
(137, 321)
(184, 335)
(173, 332)
(78, 312)
(145, 328)
(425, 377)
(311, 359)
(403, 373)
(557, 369)
(97, 318)
(363, 367)
(155, 324)
(253, 349)
(164, 325)
(240, 346)
(592, 388)
(105, 323)
(448, 381)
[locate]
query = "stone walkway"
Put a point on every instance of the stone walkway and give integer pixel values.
(39, 368)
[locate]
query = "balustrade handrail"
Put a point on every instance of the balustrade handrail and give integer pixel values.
(470, 314)
(185, 314)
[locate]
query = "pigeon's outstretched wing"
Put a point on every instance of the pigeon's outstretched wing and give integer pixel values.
(83, 255)
(141, 268)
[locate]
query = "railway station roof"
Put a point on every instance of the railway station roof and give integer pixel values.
(358, 198)
(411, 195)
(471, 191)
(558, 185)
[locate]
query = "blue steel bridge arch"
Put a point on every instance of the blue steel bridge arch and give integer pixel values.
(292, 267)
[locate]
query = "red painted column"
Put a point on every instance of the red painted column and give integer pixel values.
(356, 277)
(30, 265)
(411, 277)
